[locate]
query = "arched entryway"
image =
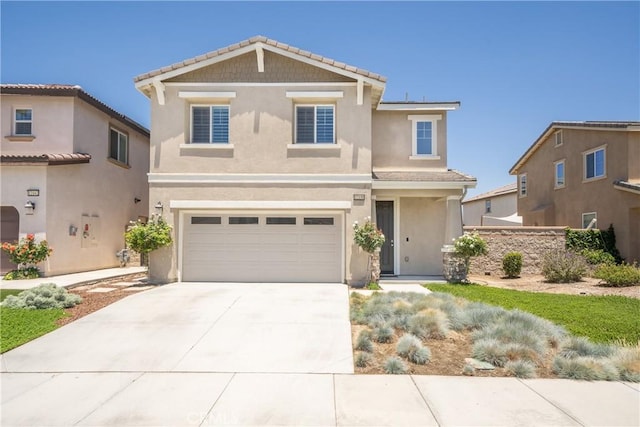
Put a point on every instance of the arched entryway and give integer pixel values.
(9, 231)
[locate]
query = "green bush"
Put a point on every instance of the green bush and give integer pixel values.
(579, 240)
(618, 275)
(560, 266)
(145, 238)
(23, 273)
(512, 264)
(597, 256)
(469, 245)
(47, 295)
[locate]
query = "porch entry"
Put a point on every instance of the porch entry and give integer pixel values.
(9, 232)
(385, 221)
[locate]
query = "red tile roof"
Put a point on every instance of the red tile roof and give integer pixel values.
(45, 159)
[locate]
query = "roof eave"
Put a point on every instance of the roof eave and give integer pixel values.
(435, 106)
(422, 185)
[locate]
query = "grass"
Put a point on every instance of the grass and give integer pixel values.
(18, 326)
(605, 319)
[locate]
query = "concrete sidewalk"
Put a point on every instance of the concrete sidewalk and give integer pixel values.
(258, 399)
(67, 280)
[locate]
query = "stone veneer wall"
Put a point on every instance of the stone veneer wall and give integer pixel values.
(531, 242)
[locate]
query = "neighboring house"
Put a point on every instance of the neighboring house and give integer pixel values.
(497, 207)
(264, 155)
(578, 174)
(73, 173)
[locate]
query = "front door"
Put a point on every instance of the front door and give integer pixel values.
(384, 221)
(10, 222)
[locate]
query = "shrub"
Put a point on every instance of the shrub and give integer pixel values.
(26, 253)
(47, 295)
(575, 347)
(585, 368)
(363, 342)
(578, 240)
(491, 351)
(394, 365)
(367, 236)
(407, 343)
(145, 238)
(362, 359)
(560, 266)
(512, 264)
(597, 256)
(429, 323)
(521, 369)
(618, 275)
(383, 334)
(470, 245)
(420, 356)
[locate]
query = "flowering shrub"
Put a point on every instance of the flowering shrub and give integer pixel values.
(26, 253)
(145, 238)
(367, 236)
(469, 245)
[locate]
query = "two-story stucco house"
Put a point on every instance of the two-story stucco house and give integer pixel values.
(581, 174)
(264, 155)
(73, 172)
(498, 207)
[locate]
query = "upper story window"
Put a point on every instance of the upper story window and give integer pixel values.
(594, 163)
(119, 146)
(23, 123)
(315, 124)
(487, 206)
(522, 180)
(559, 174)
(558, 137)
(424, 136)
(210, 124)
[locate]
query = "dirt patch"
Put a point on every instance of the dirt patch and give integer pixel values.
(93, 301)
(536, 283)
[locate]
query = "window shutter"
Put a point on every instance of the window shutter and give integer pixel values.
(304, 124)
(200, 128)
(220, 124)
(324, 124)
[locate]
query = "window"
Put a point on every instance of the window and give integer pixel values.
(424, 135)
(195, 220)
(559, 174)
(487, 206)
(315, 124)
(594, 164)
(23, 121)
(243, 220)
(210, 124)
(119, 146)
(318, 221)
(281, 220)
(558, 137)
(587, 218)
(523, 184)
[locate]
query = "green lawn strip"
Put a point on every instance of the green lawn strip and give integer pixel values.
(599, 318)
(18, 326)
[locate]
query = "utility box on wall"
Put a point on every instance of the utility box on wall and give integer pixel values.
(90, 231)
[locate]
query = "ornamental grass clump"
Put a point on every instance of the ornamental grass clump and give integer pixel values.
(395, 366)
(429, 323)
(561, 266)
(383, 334)
(521, 369)
(363, 359)
(363, 342)
(581, 347)
(585, 368)
(45, 296)
(26, 253)
(627, 362)
(477, 315)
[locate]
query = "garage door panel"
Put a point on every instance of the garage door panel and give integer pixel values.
(270, 251)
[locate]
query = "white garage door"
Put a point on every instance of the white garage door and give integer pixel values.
(262, 248)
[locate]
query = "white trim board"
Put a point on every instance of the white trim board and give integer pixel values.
(176, 178)
(260, 204)
(421, 185)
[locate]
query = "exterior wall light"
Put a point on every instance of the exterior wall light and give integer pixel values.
(159, 207)
(29, 207)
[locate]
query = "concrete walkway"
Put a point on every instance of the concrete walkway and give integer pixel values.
(67, 280)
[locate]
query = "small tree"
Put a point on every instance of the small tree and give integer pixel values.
(145, 238)
(26, 253)
(369, 238)
(469, 245)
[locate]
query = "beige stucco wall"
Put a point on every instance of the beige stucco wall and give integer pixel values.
(260, 128)
(501, 206)
(164, 262)
(52, 124)
(392, 142)
(565, 206)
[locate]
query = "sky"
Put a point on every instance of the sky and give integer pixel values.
(514, 66)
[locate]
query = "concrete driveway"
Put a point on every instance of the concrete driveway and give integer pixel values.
(203, 327)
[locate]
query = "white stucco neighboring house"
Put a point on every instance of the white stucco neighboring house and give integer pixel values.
(73, 172)
(263, 156)
(498, 207)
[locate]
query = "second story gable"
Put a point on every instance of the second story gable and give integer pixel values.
(264, 107)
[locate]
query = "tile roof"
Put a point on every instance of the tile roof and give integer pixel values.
(47, 159)
(449, 175)
(266, 41)
(500, 191)
(70, 90)
(599, 124)
(635, 187)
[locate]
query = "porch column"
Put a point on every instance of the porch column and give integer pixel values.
(374, 214)
(453, 226)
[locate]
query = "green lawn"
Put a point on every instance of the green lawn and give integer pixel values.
(18, 326)
(600, 318)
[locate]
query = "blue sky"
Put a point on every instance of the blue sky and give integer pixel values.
(515, 66)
